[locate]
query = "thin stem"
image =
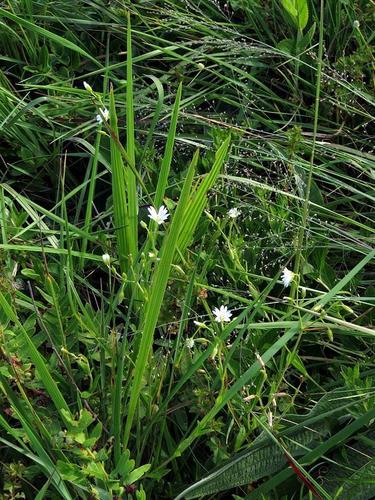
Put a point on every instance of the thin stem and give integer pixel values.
(305, 210)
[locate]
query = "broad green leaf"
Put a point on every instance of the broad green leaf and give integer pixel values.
(298, 10)
(137, 473)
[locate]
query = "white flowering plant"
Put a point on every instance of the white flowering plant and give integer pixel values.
(186, 249)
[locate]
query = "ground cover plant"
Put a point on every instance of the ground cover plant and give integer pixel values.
(187, 246)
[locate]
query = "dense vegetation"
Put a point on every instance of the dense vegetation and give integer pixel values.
(187, 245)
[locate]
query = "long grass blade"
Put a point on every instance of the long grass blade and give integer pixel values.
(120, 195)
(130, 146)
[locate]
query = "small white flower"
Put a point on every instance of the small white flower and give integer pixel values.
(106, 259)
(356, 24)
(189, 343)
(234, 213)
(87, 87)
(159, 216)
(287, 277)
(105, 113)
(200, 66)
(222, 315)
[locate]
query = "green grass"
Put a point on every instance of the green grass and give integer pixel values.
(116, 380)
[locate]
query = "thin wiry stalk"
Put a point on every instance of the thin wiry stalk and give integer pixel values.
(302, 234)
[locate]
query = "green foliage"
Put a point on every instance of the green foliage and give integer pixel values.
(250, 121)
(351, 475)
(267, 455)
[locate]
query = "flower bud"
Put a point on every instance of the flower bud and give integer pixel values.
(87, 87)
(199, 324)
(106, 259)
(329, 334)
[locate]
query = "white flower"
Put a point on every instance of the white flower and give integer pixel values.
(287, 277)
(159, 216)
(87, 87)
(234, 212)
(356, 24)
(106, 259)
(189, 343)
(222, 315)
(105, 113)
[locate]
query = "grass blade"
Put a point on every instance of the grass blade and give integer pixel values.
(130, 146)
(168, 153)
(199, 198)
(47, 34)
(119, 192)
